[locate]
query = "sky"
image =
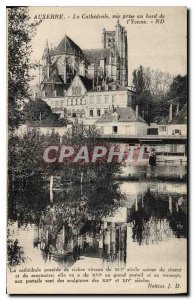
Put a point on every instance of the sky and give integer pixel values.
(155, 45)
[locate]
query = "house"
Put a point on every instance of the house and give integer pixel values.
(122, 121)
(178, 125)
(174, 124)
(81, 102)
(101, 101)
(73, 103)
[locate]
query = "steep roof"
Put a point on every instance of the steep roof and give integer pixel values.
(123, 114)
(181, 117)
(88, 83)
(68, 46)
(94, 55)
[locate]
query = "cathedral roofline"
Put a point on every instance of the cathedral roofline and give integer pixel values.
(67, 46)
(95, 55)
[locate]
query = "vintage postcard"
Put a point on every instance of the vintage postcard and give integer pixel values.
(97, 150)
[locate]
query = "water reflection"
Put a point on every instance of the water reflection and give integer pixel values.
(104, 240)
(101, 221)
(157, 216)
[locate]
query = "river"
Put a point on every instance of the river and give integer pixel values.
(117, 224)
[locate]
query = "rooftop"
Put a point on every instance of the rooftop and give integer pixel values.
(67, 46)
(88, 83)
(94, 55)
(122, 114)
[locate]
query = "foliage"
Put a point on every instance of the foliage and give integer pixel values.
(24, 159)
(38, 113)
(81, 135)
(156, 90)
(36, 110)
(20, 32)
(178, 90)
(29, 180)
(26, 165)
(141, 81)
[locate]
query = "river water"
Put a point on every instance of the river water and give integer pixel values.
(118, 224)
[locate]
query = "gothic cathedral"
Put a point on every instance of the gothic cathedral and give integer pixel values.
(106, 67)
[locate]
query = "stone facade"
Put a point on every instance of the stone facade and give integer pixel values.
(103, 66)
(84, 84)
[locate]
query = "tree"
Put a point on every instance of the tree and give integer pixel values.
(178, 90)
(24, 160)
(141, 82)
(38, 113)
(160, 83)
(37, 110)
(20, 33)
(152, 87)
(27, 166)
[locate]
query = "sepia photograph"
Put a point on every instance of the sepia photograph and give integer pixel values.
(97, 111)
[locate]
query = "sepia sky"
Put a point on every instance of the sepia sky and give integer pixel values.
(161, 46)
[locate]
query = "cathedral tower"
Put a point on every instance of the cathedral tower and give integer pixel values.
(117, 40)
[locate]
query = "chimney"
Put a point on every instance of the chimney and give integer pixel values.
(137, 111)
(177, 109)
(170, 113)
